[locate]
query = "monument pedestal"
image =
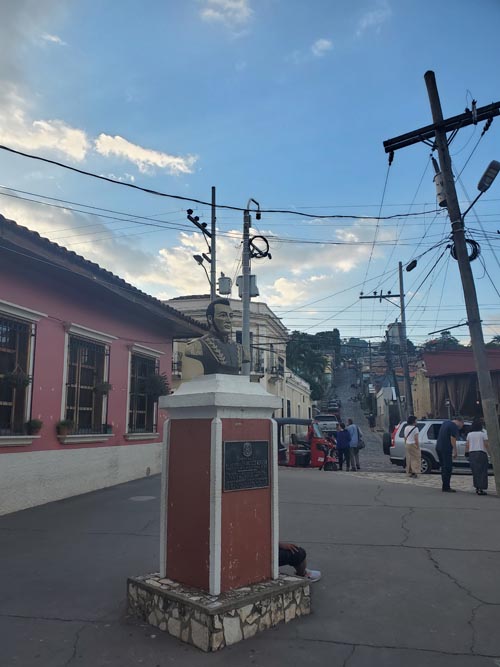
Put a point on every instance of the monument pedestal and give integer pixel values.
(219, 519)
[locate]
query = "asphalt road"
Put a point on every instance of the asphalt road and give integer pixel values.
(372, 457)
(410, 577)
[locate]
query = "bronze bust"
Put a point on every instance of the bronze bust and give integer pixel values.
(217, 352)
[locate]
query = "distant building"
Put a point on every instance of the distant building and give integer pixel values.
(77, 344)
(268, 338)
(449, 381)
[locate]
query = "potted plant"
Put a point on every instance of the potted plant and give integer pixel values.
(16, 379)
(103, 388)
(107, 428)
(64, 427)
(33, 426)
(156, 385)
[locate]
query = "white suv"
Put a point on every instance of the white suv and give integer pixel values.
(326, 422)
(428, 434)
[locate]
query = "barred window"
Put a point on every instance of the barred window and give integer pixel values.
(15, 341)
(143, 408)
(87, 367)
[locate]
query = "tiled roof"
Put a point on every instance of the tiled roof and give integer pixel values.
(63, 254)
(455, 362)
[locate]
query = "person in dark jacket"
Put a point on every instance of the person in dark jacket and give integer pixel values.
(343, 446)
(446, 448)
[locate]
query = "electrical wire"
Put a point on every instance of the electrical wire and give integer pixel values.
(192, 199)
(442, 290)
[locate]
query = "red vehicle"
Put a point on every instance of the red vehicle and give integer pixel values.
(313, 451)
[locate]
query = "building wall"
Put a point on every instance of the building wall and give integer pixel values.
(267, 329)
(46, 469)
(421, 394)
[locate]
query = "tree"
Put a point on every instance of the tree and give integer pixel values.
(306, 360)
(336, 345)
(494, 342)
(445, 342)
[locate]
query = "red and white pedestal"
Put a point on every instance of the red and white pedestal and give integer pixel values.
(216, 533)
(218, 581)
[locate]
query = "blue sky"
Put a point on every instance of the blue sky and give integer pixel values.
(285, 101)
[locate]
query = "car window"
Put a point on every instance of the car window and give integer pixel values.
(401, 433)
(433, 431)
(464, 431)
(326, 418)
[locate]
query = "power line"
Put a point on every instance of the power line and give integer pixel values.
(192, 199)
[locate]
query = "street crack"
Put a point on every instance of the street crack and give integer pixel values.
(75, 645)
(353, 649)
(404, 527)
(453, 579)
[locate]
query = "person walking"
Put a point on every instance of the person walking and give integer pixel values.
(343, 446)
(371, 422)
(412, 447)
(477, 447)
(446, 448)
(354, 445)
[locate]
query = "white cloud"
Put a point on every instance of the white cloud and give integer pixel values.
(232, 13)
(318, 49)
(373, 19)
(19, 131)
(54, 39)
(321, 47)
(126, 177)
(144, 158)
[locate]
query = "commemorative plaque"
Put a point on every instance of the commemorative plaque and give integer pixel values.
(246, 465)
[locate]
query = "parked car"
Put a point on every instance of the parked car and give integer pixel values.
(428, 434)
(327, 422)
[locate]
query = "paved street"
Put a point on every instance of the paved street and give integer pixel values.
(372, 457)
(410, 577)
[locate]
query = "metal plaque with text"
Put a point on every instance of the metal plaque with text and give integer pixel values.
(246, 465)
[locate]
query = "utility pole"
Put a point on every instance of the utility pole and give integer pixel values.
(404, 346)
(438, 130)
(403, 342)
(245, 290)
(213, 252)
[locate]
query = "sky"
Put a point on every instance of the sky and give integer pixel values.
(284, 101)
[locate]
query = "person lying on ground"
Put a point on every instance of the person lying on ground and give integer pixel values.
(291, 554)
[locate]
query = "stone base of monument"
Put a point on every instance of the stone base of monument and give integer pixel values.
(212, 622)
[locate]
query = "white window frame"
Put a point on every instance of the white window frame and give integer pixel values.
(94, 336)
(30, 317)
(142, 351)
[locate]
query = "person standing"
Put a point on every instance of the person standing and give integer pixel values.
(343, 441)
(446, 448)
(478, 447)
(412, 447)
(355, 434)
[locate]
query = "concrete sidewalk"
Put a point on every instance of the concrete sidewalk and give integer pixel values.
(410, 577)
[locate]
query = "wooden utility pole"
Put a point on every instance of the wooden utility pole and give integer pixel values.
(403, 343)
(404, 346)
(438, 130)
(213, 252)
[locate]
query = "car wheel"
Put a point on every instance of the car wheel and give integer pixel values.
(328, 466)
(426, 464)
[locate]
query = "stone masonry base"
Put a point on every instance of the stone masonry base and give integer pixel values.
(213, 622)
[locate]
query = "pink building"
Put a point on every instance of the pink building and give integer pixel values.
(79, 345)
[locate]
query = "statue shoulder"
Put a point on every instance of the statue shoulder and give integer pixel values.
(194, 348)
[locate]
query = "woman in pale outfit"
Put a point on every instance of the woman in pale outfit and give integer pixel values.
(478, 447)
(413, 463)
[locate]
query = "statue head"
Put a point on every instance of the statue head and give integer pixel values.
(220, 317)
